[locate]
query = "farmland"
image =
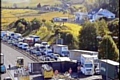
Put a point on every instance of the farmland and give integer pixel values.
(30, 3)
(28, 14)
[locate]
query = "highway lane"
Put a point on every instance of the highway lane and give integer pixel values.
(10, 57)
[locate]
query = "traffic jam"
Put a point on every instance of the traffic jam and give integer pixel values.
(56, 61)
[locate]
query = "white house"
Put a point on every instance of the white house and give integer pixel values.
(95, 15)
(80, 16)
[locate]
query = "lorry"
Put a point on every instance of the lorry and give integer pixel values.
(34, 68)
(109, 69)
(62, 50)
(75, 54)
(35, 38)
(87, 64)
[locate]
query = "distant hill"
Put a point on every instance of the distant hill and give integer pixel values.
(30, 3)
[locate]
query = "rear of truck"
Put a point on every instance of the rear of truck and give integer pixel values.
(109, 71)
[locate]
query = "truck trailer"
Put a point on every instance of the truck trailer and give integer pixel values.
(75, 54)
(62, 50)
(109, 69)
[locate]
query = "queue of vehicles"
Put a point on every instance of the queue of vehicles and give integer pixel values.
(87, 60)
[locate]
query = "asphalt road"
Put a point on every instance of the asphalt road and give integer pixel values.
(10, 57)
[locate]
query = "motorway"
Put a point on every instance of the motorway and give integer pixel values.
(10, 57)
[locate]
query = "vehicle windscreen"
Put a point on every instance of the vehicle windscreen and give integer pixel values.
(65, 52)
(88, 65)
(20, 61)
(25, 45)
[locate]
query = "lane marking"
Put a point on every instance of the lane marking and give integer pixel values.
(10, 75)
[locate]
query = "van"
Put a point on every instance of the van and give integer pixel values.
(35, 38)
(20, 44)
(24, 46)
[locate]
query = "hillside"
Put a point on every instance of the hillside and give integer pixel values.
(30, 3)
(33, 3)
(48, 31)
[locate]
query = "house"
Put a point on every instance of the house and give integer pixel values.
(79, 16)
(60, 19)
(97, 14)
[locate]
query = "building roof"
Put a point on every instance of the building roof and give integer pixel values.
(94, 11)
(104, 11)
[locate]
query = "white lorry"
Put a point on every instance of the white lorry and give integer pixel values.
(62, 50)
(87, 64)
(75, 54)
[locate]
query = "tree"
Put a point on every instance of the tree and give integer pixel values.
(43, 20)
(19, 28)
(114, 6)
(102, 28)
(108, 49)
(35, 24)
(87, 37)
(113, 26)
(39, 5)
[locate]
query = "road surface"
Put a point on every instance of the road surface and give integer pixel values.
(10, 57)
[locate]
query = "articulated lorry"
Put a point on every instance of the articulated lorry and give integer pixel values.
(109, 69)
(76, 55)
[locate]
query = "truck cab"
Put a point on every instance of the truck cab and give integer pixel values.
(87, 64)
(20, 62)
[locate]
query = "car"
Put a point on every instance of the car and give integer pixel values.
(20, 45)
(3, 69)
(25, 46)
(7, 78)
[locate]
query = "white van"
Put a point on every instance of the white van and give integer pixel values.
(20, 44)
(35, 38)
(25, 46)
